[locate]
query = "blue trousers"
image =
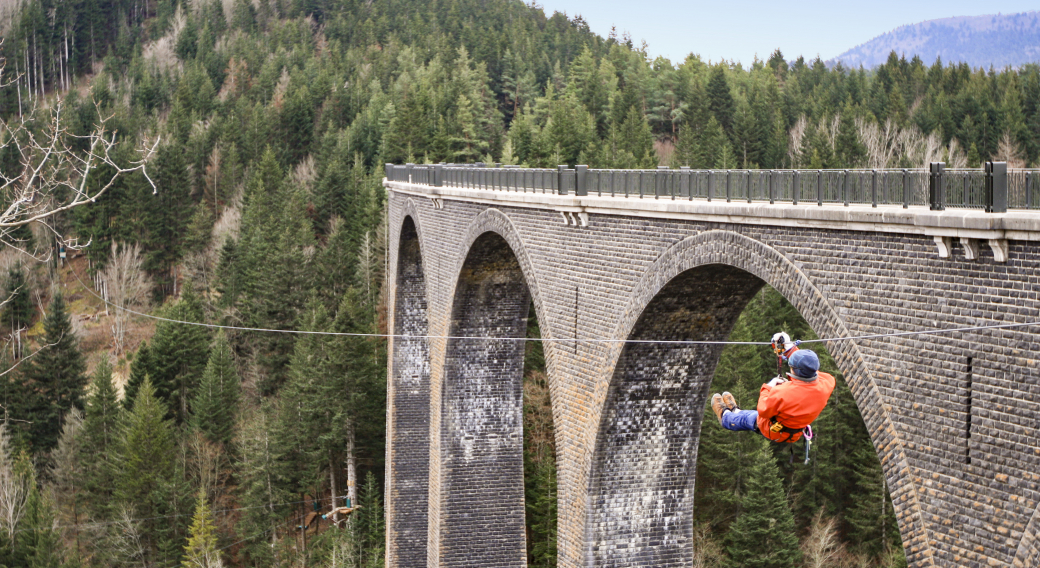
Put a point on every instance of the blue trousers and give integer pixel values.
(740, 420)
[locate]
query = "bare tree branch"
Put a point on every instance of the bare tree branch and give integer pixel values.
(58, 170)
(127, 287)
(14, 487)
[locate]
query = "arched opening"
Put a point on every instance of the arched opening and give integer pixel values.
(641, 490)
(838, 505)
(482, 464)
(409, 408)
(641, 508)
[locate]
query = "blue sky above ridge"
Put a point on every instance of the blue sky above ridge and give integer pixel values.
(741, 29)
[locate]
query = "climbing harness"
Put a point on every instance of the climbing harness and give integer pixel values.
(778, 428)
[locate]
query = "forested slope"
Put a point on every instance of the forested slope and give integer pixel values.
(128, 440)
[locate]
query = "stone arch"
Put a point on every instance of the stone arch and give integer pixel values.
(1028, 552)
(408, 401)
(642, 469)
(492, 220)
(481, 516)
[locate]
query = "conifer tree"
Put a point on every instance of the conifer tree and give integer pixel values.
(688, 150)
(310, 421)
(870, 517)
(570, 129)
(166, 214)
(715, 146)
(148, 476)
(216, 398)
(276, 266)
(145, 447)
(140, 367)
(54, 378)
(637, 140)
(178, 353)
(67, 473)
(764, 534)
(37, 544)
(261, 490)
(19, 309)
(201, 550)
(850, 151)
(100, 432)
(370, 524)
(720, 99)
(358, 364)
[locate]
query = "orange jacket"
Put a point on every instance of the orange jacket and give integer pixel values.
(795, 404)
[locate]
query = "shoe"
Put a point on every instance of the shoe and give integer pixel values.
(729, 402)
(718, 406)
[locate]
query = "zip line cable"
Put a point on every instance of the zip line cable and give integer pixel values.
(553, 339)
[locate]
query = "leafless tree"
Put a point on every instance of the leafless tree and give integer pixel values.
(821, 547)
(1008, 151)
(14, 487)
(58, 170)
(796, 140)
(707, 552)
(889, 146)
(207, 465)
(126, 285)
(367, 264)
(127, 542)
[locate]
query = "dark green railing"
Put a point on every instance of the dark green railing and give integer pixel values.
(993, 188)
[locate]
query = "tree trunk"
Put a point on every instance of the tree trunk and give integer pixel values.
(18, 86)
(303, 527)
(351, 467)
(332, 489)
(270, 490)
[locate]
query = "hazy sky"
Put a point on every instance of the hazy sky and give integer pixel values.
(740, 29)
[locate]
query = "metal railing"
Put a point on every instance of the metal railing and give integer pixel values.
(994, 188)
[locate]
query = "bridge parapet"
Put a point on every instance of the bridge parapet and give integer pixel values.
(971, 227)
(994, 188)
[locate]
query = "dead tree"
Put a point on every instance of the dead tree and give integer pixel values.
(57, 169)
(126, 286)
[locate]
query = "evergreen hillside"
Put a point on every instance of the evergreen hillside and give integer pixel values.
(136, 442)
(980, 41)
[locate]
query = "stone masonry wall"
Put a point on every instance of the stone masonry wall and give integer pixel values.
(637, 516)
(409, 409)
(957, 443)
(482, 513)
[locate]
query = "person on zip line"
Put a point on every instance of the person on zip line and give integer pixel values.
(786, 406)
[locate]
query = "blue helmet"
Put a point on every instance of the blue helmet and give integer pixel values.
(804, 364)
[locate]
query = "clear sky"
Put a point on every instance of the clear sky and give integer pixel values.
(741, 29)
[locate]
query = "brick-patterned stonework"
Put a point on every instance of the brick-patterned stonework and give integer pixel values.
(482, 446)
(637, 515)
(627, 417)
(409, 386)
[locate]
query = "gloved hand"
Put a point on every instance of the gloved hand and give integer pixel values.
(777, 380)
(783, 339)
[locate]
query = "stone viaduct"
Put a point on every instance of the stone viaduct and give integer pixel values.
(953, 417)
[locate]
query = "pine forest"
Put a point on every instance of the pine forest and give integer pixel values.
(220, 162)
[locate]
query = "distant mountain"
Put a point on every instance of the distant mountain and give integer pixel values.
(980, 41)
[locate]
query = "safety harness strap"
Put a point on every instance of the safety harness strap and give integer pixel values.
(776, 427)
